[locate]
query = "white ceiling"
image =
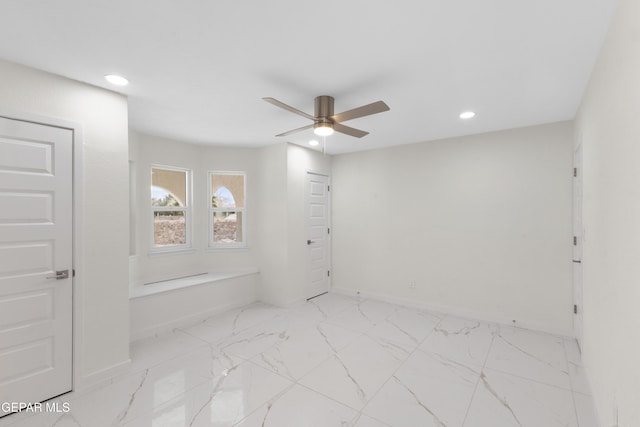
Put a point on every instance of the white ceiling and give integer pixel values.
(199, 68)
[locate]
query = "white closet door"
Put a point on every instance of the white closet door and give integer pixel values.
(35, 261)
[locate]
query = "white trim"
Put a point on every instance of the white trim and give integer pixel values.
(210, 211)
(229, 249)
(172, 251)
(78, 219)
(103, 377)
(141, 291)
(329, 235)
(133, 207)
(78, 255)
(294, 302)
(153, 249)
(455, 311)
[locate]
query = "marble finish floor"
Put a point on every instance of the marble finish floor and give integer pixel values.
(338, 361)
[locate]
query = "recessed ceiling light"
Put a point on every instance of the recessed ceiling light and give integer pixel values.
(116, 80)
(467, 115)
(313, 142)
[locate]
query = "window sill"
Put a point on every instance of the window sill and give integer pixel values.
(140, 291)
(184, 251)
(227, 248)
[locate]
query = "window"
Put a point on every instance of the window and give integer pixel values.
(227, 214)
(170, 203)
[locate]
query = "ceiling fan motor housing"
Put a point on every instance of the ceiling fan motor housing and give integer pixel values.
(324, 108)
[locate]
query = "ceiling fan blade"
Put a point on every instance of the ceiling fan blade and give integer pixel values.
(349, 130)
(296, 130)
(365, 110)
(288, 108)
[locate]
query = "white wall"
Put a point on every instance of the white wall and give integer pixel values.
(283, 254)
(481, 224)
(158, 313)
(273, 225)
(608, 125)
(163, 312)
(276, 232)
(101, 285)
(149, 150)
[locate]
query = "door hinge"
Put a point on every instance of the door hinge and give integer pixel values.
(575, 308)
(328, 188)
(328, 231)
(73, 272)
(575, 172)
(328, 273)
(575, 240)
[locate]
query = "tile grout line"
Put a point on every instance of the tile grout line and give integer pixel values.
(510, 374)
(359, 412)
(207, 344)
(172, 336)
(486, 357)
(291, 319)
(502, 371)
(573, 393)
(417, 348)
(362, 334)
(297, 381)
(271, 401)
(234, 332)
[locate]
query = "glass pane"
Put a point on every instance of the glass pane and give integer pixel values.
(223, 198)
(169, 228)
(227, 227)
(168, 187)
(227, 191)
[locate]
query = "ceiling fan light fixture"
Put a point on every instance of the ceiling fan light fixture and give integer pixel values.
(323, 129)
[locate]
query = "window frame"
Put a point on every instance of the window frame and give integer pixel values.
(211, 210)
(185, 209)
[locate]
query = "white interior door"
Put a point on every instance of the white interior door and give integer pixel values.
(35, 243)
(317, 215)
(577, 243)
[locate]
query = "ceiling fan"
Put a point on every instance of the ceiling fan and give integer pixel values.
(325, 121)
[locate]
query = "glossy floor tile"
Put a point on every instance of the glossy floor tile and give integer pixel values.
(338, 361)
(426, 390)
(532, 355)
(506, 400)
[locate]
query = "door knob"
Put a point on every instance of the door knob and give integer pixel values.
(61, 274)
(310, 242)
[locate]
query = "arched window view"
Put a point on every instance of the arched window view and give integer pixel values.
(162, 197)
(169, 206)
(227, 209)
(223, 198)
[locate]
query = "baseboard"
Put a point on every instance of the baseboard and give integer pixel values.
(294, 302)
(184, 321)
(454, 311)
(101, 377)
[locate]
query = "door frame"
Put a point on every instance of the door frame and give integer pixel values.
(578, 247)
(77, 222)
(329, 235)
